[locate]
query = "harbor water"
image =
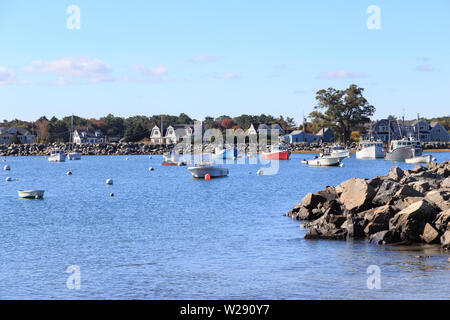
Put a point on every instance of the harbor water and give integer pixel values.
(165, 235)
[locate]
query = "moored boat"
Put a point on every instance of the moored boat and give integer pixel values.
(420, 159)
(276, 153)
(74, 156)
(230, 153)
(370, 150)
(57, 155)
(31, 194)
(339, 151)
(403, 149)
(200, 170)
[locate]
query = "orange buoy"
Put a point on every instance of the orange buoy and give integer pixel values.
(207, 177)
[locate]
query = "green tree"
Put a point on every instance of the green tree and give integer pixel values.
(342, 110)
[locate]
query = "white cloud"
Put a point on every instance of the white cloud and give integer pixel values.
(157, 74)
(6, 76)
(92, 69)
(204, 58)
(341, 74)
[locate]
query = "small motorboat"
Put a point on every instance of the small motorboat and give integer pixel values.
(57, 155)
(174, 164)
(420, 159)
(74, 156)
(200, 170)
(325, 159)
(31, 194)
(276, 153)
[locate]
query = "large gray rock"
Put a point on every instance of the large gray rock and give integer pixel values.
(439, 198)
(386, 192)
(329, 193)
(385, 237)
(430, 234)
(354, 227)
(421, 186)
(410, 222)
(408, 191)
(442, 221)
(357, 195)
(400, 204)
(395, 173)
(445, 240)
(326, 233)
(445, 183)
(311, 200)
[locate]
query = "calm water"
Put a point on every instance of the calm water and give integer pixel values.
(167, 236)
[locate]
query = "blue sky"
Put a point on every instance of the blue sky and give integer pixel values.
(208, 58)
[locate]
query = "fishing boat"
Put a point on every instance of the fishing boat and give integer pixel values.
(339, 151)
(57, 155)
(403, 149)
(370, 150)
(276, 153)
(31, 194)
(229, 153)
(420, 159)
(200, 170)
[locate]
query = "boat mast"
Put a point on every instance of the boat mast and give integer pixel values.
(389, 133)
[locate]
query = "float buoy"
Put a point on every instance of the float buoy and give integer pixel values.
(207, 177)
(69, 173)
(7, 168)
(111, 194)
(151, 169)
(8, 179)
(109, 181)
(260, 172)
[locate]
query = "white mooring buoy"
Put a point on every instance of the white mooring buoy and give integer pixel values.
(109, 181)
(7, 168)
(260, 172)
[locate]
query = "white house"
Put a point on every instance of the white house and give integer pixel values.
(82, 136)
(252, 130)
(156, 136)
(177, 132)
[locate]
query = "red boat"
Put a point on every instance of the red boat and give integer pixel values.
(276, 154)
(170, 163)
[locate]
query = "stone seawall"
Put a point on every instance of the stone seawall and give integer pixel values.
(411, 206)
(123, 148)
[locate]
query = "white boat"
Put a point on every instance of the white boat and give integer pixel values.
(31, 194)
(74, 156)
(325, 159)
(200, 170)
(370, 150)
(403, 149)
(339, 151)
(324, 162)
(57, 155)
(420, 159)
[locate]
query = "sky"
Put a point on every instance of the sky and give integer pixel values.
(210, 58)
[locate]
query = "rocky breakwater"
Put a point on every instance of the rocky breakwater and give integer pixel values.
(121, 148)
(411, 206)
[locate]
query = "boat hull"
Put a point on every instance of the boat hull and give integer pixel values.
(400, 154)
(31, 194)
(173, 164)
(74, 156)
(57, 158)
(214, 172)
(279, 155)
(372, 152)
(324, 162)
(421, 159)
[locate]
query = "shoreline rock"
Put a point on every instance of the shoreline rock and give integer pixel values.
(404, 207)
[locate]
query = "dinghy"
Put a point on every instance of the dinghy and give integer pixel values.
(31, 194)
